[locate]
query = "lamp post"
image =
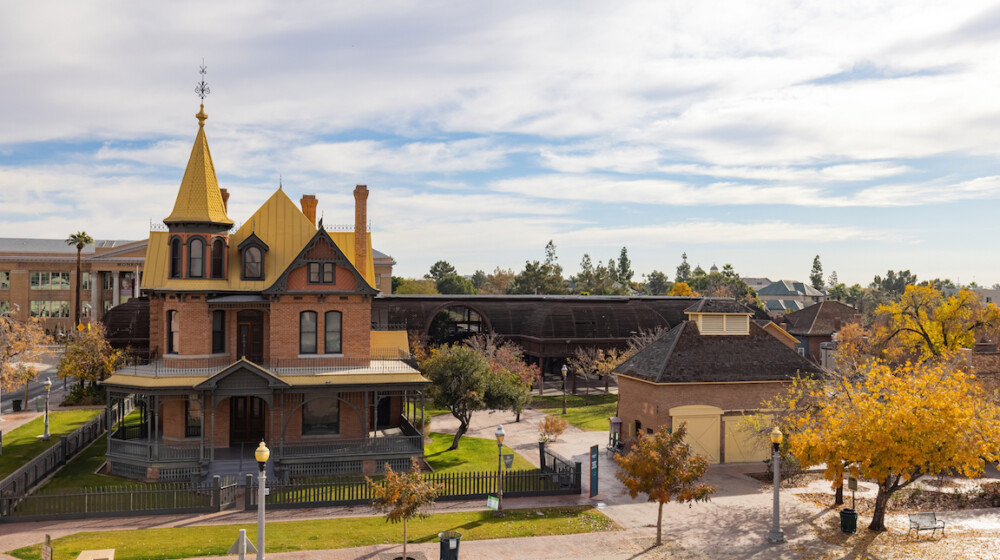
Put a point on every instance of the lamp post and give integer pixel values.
(48, 387)
(499, 434)
(564, 371)
(776, 535)
(261, 454)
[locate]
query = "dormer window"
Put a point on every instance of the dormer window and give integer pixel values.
(321, 273)
(196, 258)
(253, 250)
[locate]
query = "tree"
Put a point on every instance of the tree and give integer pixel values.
(892, 425)
(89, 356)
(396, 283)
(925, 324)
(683, 269)
(454, 284)
(893, 285)
(439, 270)
(854, 293)
(540, 278)
(838, 292)
(463, 381)
(506, 360)
(682, 289)
(728, 271)
(625, 272)
(816, 277)
(415, 286)
(498, 282)
(402, 496)
(663, 467)
(833, 280)
(595, 361)
(81, 240)
(598, 280)
(478, 279)
(657, 283)
(22, 345)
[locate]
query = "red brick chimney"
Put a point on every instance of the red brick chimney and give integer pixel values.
(225, 199)
(309, 203)
(361, 228)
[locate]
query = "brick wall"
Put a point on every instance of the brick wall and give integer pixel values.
(298, 279)
(650, 404)
(355, 324)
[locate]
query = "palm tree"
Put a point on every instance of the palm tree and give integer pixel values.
(81, 240)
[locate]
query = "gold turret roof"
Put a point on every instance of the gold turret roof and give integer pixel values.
(199, 199)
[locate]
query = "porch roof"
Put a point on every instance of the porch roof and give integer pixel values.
(314, 380)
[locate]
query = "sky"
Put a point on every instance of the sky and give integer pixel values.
(758, 134)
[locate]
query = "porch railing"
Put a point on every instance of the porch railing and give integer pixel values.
(353, 446)
(380, 360)
(154, 451)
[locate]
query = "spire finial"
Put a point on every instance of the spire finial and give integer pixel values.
(279, 181)
(202, 90)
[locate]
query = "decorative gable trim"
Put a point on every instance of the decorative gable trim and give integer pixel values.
(320, 238)
(253, 240)
(243, 365)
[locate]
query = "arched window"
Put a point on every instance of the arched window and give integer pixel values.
(218, 331)
(331, 329)
(218, 258)
(175, 258)
(253, 264)
(307, 332)
(196, 258)
(173, 332)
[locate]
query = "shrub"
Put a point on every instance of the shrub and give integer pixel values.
(991, 491)
(551, 427)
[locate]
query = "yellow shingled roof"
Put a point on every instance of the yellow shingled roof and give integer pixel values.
(317, 380)
(279, 223)
(199, 198)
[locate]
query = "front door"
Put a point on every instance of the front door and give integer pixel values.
(246, 420)
(250, 336)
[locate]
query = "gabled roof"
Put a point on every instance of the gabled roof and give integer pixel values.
(683, 355)
(821, 318)
(243, 364)
(783, 304)
(719, 305)
(199, 199)
(322, 238)
(788, 288)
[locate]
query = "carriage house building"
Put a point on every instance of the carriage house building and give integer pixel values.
(262, 332)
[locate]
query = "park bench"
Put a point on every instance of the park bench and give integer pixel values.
(924, 521)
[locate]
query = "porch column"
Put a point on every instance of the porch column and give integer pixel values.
(368, 424)
(421, 413)
(116, 296)
(149, 425)
(201, 451)
(156, 426)
(281, 424)
(211, 451)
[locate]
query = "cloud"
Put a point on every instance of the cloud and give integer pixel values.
(366, 156)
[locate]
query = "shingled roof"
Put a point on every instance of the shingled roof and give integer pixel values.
(821, 319)
(719, 305)
(683, 355)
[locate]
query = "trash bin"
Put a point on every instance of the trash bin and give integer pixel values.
(16, 405)
(848, 520)
(449, 544)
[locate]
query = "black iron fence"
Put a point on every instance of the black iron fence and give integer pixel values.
(47, 462)
(452, 486)
(164, 498)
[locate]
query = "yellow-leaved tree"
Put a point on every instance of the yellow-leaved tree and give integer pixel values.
(663, 467)
(924, 323)
(891, 424)
(401, 496)
(22, 345)
(682, 289)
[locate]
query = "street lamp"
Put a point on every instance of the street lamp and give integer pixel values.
(564, 371)
(261, 454)
(499, 434)
(776, 535)
(48, 387)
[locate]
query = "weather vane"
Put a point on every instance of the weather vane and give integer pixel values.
(202, 88)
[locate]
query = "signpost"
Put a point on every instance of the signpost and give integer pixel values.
(508, 460)
(852, 483)
(594, 454)
(492, 502)
(47, 548)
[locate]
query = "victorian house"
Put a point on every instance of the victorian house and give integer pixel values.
(262, 332)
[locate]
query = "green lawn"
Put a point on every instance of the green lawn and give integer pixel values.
(79, 473)
(473, 454)
(589, 413)
(324, 534)
(23, 444)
